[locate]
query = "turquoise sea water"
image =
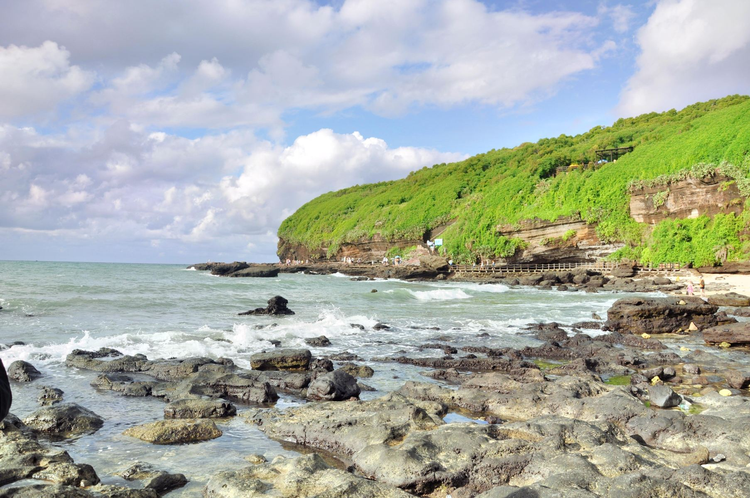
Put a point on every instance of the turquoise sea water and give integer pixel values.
(166, 311)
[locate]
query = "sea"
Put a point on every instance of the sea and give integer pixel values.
(169, 311)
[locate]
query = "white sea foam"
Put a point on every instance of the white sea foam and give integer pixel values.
(439, 295)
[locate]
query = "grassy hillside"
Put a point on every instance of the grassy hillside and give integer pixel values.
(505, 186)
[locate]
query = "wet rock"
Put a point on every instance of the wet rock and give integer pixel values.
(548, 332)
(256, 272)
(283, 359)
(357, 326)
(345, 428)
(64, 420)
(305, 476)
(733, 333)
(22, 371)
(380, 326)
(587, 325)
(175, 431)
(659, 315)
(276, 306)
(92, 360)
(333, 386)
(68, 473)
(158, 480)
(223, 269)
(362, 371)
(663, 397)
(49, 396)
(738, 380)
(321, 364)
(691, 369)
(729, 299)
(743, 312)
(199, 408)
(318, 342)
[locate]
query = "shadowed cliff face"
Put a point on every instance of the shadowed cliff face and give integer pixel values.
(689, 198)
(563, 240)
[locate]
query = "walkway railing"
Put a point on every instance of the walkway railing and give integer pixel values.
(602, 266)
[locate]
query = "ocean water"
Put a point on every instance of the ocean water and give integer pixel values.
(166, 311)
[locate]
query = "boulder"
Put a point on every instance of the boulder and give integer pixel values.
(732, 333)
(64, 420)
(623, 271)
(158, 480)
(663, 397)
(333, 386)
(257, 272)
(738, 380)
(49, 396)
(199, 408)
(276, 306)
(662, 281)
(175, 431)
(282, 359)
(223, 269)
(362, 371)
(318, 342)
(22, 371)
(730, 299)
(657, 315)
(436, 263)
(306, 476)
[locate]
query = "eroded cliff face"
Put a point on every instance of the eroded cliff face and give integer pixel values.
(689, 198)
(565, 240)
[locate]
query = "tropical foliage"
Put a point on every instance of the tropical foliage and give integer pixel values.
(500, 188)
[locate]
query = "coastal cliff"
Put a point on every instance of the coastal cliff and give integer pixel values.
(677, 196)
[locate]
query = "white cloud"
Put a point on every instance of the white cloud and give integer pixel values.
(259, 59)
(691, 50)
(36, 79)
(226, 190)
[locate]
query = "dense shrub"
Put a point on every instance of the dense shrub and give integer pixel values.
(487, 192)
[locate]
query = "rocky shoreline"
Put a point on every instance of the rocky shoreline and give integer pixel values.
(622, 413)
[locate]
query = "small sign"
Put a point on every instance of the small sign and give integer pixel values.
(438, 242)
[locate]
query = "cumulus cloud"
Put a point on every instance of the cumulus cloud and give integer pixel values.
(36, 79)
(227, 190)
(690, 51)
(258, 59)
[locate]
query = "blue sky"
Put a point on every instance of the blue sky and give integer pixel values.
(182, 132)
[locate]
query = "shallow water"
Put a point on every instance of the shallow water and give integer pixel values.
(167, 311)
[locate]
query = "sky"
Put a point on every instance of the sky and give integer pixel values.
(154, 131)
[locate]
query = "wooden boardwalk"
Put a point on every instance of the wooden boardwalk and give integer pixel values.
(600, 266)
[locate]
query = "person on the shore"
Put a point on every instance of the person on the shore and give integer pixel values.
(6, 398)
(690, 289)
(702, 285)
(385, 260)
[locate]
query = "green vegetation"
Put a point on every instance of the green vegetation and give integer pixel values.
(493, 192)
(618, 380)
(548, 365)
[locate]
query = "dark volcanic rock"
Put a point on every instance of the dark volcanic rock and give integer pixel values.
(50, 396)
(175, 431)
(663, 397)
(223, 269)
(333, 386)
(257, 272)
(64, 420)
(276, 306)
(199, 408)
(282, 359)
(22, 371)
(305, 476)
(362, 371)
(733, 333)
(730, 299)
(318, 342)
(660, 315)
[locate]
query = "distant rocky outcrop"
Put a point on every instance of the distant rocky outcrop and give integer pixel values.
(276, 306)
